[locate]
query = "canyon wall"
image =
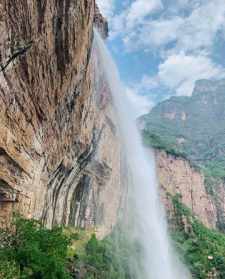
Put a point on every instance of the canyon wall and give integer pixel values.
(59, 150)
(60, 156)
(177, 176)
(191, 130)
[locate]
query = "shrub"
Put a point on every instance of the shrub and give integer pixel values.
(168, 144)
(203, 249)
(34, 251)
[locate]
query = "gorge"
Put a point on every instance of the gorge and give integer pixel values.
(71, 156)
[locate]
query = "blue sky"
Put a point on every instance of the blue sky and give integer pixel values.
(163, 46)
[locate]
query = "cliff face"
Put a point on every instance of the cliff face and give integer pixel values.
(191, 130)
(60, 157)
(177, 176)
(52, 121)
(192, 127)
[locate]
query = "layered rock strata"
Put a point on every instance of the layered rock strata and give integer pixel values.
(177, 176)
(59, 151)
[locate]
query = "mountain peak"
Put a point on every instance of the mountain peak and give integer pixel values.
(192, 126)
(208, 86)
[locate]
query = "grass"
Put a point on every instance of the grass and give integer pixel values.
(202, 249)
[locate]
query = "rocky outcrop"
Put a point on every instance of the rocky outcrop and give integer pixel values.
(101, 23)
(52, 120)
(177, 176)
(191, 127)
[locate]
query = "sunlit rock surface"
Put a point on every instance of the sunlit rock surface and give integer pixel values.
(191, 129)
(176, 176)
(59, 152)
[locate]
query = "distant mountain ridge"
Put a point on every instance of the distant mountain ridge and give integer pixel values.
(191, 127)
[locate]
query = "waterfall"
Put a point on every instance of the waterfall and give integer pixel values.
(159, 259)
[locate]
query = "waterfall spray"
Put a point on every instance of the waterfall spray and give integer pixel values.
(159, 259)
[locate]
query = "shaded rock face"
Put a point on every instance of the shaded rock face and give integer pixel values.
(192, 126)
(176, 176)
(100, 23)
(59, 152)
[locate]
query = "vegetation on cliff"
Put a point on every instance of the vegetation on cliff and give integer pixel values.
(28, 250)
(202, 249)
(162, 143)
(191, 127)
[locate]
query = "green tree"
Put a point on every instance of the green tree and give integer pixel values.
(34, 251)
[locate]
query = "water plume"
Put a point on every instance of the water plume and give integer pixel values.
(159, 261)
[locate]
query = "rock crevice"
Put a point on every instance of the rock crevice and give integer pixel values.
(57, 148)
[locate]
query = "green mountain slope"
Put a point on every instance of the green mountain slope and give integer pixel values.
(192, 127)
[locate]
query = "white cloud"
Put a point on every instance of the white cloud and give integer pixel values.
(139, 9)
(117, 25)
(149, 82)
(181, 33)
(106, 7)
(192, 33)
(140, 104)
(154, 35)
(200, 28)
(133, 16)
(177, 6)
(179, 72)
